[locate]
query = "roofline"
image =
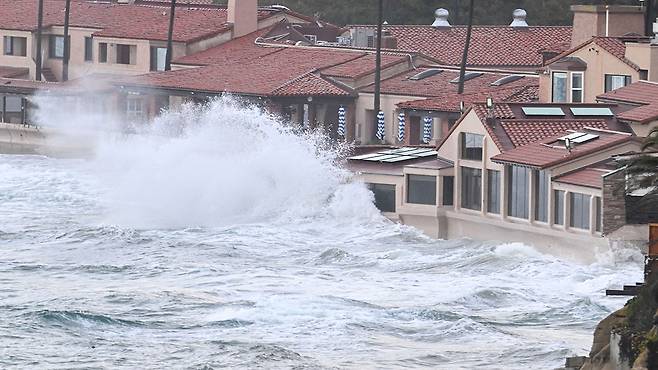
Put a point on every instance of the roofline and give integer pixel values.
(454, 26)
(593, 39)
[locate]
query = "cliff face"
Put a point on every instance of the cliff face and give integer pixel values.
(628, 338)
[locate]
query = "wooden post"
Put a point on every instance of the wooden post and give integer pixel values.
(67, 43)
(39, 29)
(170, 36)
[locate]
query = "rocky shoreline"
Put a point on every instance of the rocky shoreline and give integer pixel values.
(628, 338)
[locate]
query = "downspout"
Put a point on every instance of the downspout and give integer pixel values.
(607, 20)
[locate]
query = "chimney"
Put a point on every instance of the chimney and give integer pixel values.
(388, 40)
(441, 20)
(518, 18)
(243, 15)
(606, 20)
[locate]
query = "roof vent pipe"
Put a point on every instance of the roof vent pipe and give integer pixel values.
(441, 20)
(519, 16)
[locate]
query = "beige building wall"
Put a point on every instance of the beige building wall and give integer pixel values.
(18, 61)
(591, 20)
(599, 63)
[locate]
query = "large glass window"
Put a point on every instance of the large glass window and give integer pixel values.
(579, 211)
(134, 109)
(421, 189)
(448, 190)
(89, 43)
(158, 58)
(16, 46)
(613, 82)
(56, 46)
(102, 52)
(471, 146)
(518, 184)
(493, 193)
(576, 87)
(384, 196)
(541, 195)
(559, 85)
(471, 188)
(558, 207)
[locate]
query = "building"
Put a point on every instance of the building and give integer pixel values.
(639, 102)
(527, 172)
(123, 38)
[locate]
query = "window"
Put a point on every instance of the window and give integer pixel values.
(421, 189)
(384, 196)
(471, 188)
(16, 46)
(134, 109)
(89, 43)
(559, 87)
(448, 190)
(56, 46)
(541, 195)
(158, 58)
(599, 213)
(576, 87)
(371, 41)
(579, 211)
(471, 146)
(124, 54)
(558, 199)
(493, 192)
(613, 82)
(102, 52)
(518, 191)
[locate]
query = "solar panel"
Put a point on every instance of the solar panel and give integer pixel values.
(592, 111)
(467, 76)
(585, 138)
(543, 111)
(572, 136)
(396, 155)
(506, 80)
(425, 74)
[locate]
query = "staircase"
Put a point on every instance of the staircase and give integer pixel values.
(48, 75)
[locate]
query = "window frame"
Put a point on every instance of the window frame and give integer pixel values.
(103, 52)
(518, 201)
(11, 42)
(581, 89)
(541, 182)
(493, 191)
(607, 85)
(53, 46)
(472, 201)
(579, 211)
(415, 180)
(154, 58)
(89, 49)
(448, 192)
(558, 207)
(464, 152)
(373, 188)
(566, 87)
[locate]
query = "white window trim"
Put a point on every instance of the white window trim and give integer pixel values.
(581, 89)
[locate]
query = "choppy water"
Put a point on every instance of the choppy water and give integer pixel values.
(217, 251)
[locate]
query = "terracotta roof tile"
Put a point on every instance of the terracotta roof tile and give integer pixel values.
(589, 177)
(135, 21)
(363, 65)
(490, 45)
(612, 45)
(642, 93)
(11, 72)
(525, 131)
(549, 152)
(309, 85)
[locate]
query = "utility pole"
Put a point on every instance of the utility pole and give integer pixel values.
(378, 61)
(170, 36)
(39, 27)
(67, 43)
(462, 71)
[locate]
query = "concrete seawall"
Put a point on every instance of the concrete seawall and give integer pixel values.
(21, 139)
(25, 139)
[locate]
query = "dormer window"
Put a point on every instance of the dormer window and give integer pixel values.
(471, 146)
(567, 87)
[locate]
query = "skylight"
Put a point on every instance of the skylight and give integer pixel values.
(426, 73)
(467, 76)
(579, 137)
(506, 80)
(592, 111)
(396, 155)
(543, 111)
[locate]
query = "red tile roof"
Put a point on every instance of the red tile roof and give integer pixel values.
(282, 71)
(10, 72)
(588, 177)
(364, 65)
(525, 131)
(550, 152)
(135, 21)
(490, 45)
(439, 85)
(643, 93)
(612, 45)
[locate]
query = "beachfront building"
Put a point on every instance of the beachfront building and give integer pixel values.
(527, 172)
(639, 102)
(122, 37)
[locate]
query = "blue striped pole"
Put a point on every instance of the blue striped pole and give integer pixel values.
(341, 121)
(427, 129)
(401, 127)
(381, 127)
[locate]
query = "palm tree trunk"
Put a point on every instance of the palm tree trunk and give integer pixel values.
(462, 71)
(170, 36)
(378, 62)
(67, 42)
(38, 51)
